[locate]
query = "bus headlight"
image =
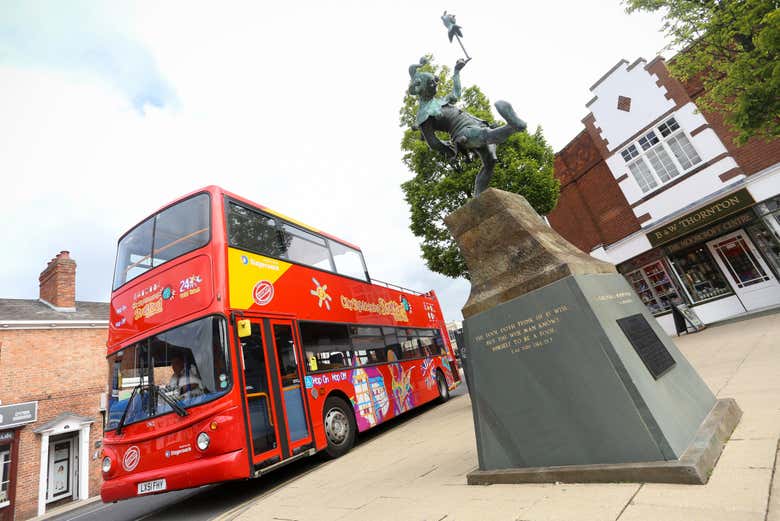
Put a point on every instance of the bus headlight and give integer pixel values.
(106, 464)
(203, 441)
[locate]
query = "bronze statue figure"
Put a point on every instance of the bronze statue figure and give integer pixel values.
(467, 133)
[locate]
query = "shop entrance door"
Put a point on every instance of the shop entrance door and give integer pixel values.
(746, 270)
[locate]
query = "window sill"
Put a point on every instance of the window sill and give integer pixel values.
(712, 299)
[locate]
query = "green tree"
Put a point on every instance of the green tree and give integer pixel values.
(525, 166)
(733, 47)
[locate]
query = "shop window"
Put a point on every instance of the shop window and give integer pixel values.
(699, 274)
(740, 262)
(661, 159)
(655, 287)
(768, 245)
(766, 234)
(5, 475)
(769, 211)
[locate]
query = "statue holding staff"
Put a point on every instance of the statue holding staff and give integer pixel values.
(467, 132)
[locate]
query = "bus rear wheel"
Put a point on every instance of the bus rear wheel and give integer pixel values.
(339, 422)
(441, 383)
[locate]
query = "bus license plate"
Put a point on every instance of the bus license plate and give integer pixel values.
(151, 486)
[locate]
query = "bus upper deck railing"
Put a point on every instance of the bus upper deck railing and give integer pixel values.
(397, 287)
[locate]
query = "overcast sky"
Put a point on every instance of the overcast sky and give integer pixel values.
(109, 110)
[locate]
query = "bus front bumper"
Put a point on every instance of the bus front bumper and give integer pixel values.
(223, 467)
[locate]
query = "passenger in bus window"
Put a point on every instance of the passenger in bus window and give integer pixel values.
(391, 356)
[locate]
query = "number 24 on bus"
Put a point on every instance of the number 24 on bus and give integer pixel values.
(241, 340)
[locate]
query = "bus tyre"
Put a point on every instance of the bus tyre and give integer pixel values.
(340, 427)
(441, 383)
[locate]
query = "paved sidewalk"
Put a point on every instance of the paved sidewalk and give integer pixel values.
(417, 471)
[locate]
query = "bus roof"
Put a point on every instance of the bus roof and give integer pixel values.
(217, 190)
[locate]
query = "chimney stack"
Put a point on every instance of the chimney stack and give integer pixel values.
(58, 283)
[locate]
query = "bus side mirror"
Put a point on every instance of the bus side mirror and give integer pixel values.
(244, 328)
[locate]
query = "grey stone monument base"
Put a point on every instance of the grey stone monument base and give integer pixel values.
(693, 468)
(570, 377)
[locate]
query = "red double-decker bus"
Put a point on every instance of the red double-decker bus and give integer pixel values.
(241, 340)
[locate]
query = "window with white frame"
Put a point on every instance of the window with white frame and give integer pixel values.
(660, 155)
(5, 475)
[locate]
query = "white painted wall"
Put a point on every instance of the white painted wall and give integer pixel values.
(707, 145)
(722, 309)
(667, 324)
(648, 102)
(601, 254)
(765, 184)
(627, 248)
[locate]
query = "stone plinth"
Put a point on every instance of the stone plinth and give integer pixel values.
(510, 250)
(571, 379)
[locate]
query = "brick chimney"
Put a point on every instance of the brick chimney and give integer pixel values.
(58, 283)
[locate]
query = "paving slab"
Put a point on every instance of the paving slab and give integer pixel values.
(773, 512)
(658, 513)
(417, 470)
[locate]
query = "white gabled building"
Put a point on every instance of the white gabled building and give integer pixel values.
(658, 188)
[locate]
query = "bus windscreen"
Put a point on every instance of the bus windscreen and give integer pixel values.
(166, 235)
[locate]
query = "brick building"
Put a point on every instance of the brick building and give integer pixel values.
(52, 381)
(658, 188)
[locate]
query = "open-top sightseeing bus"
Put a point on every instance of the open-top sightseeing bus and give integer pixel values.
(241, 340)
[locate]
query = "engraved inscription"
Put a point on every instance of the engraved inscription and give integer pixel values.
(531, 332)
(622, 297)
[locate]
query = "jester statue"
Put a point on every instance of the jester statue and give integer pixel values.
(467, 133)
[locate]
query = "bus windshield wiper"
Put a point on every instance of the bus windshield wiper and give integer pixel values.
(181, 411)
(127, 408)
(178, 409)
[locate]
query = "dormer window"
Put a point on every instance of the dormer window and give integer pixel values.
(662, 158)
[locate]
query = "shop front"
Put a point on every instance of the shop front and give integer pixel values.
(12, 418)
(722, 260)
(8, 463)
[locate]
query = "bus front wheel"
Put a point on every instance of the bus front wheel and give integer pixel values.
(340, 426)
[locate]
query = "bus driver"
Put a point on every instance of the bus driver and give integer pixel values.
(184, 383)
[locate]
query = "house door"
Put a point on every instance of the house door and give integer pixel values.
(62, 479)
(278, 415)
(747, 272)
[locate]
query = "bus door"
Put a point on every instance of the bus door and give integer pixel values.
(278, 417)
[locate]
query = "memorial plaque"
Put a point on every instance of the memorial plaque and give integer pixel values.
(647, 345)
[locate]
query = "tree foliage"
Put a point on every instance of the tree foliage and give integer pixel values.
(733, 47)
(525, 166)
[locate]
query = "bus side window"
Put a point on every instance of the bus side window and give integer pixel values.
(328, 344)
